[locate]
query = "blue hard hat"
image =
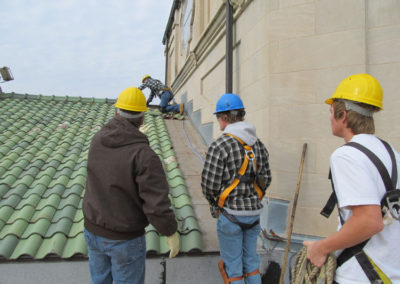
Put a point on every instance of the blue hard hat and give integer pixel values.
(229, 102)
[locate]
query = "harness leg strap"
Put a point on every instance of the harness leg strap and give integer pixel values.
(252, 273)
(225, 278)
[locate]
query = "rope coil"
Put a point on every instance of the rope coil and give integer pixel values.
(304, 272)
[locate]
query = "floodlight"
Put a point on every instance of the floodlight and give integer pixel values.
(5, 74)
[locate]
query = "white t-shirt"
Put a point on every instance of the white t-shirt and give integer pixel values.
(358, 182)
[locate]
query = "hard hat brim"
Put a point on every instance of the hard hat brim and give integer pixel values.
(145, 77)
(361, 88)
(127, 107)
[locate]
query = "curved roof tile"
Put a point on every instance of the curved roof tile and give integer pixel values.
(43, 156)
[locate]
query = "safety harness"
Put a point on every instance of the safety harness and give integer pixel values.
(249, 157)
(390, 205)
(227, 280)
(240, 177)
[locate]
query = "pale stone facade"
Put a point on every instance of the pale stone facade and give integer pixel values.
(288, 57)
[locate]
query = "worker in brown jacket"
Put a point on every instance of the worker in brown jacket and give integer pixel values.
(126, 189)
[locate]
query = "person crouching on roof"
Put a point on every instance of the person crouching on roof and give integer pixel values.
(234, 179)
(163, 92)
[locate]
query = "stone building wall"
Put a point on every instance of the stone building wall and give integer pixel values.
(288, 57)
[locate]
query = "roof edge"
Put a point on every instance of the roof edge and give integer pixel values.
(57, 98)
(167, 32)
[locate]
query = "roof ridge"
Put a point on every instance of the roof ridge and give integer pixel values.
(42, 97)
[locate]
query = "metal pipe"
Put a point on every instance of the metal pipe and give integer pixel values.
(366, 38)
(166, 61)
(229, 47)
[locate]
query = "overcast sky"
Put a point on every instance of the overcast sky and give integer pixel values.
(89, 48)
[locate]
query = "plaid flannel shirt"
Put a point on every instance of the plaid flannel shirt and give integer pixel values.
(224, 158)
(155, 86)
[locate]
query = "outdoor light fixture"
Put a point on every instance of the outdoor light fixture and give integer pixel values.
(5, 74)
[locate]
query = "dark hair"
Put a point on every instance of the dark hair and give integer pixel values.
(130, 112)
(232, 116)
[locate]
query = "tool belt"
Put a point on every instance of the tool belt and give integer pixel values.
(390, 205)
(166, 89)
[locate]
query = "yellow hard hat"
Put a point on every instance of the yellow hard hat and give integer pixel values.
(361, 88)
(132, 99)
(145, 77)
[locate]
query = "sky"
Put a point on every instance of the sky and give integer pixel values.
(90, 48)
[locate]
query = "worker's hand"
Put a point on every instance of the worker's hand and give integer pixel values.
(173, 244)
(314, 253)
(144, 128)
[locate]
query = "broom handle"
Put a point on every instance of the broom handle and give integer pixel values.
(296, 196)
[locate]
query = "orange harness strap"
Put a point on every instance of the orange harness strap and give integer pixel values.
(241, 171)
(225, 277)
(228, 280)
(235, 182)
(251, 273)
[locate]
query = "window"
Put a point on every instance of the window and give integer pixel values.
(186, 25)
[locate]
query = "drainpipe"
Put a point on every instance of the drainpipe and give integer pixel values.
(229, 47)
(366, 38)
(166, 61)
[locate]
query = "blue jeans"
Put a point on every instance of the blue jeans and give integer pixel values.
(166, 97)
(114, 260)
(238, 248)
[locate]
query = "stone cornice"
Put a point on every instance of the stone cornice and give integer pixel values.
(212, 35)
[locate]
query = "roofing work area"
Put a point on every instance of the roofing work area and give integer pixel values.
(257, 101)
(44, 147)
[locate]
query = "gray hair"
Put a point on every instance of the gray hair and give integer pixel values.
(129, 115)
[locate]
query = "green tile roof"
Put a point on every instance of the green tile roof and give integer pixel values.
(44, 143)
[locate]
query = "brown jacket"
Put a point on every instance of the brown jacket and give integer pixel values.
(126, 187)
